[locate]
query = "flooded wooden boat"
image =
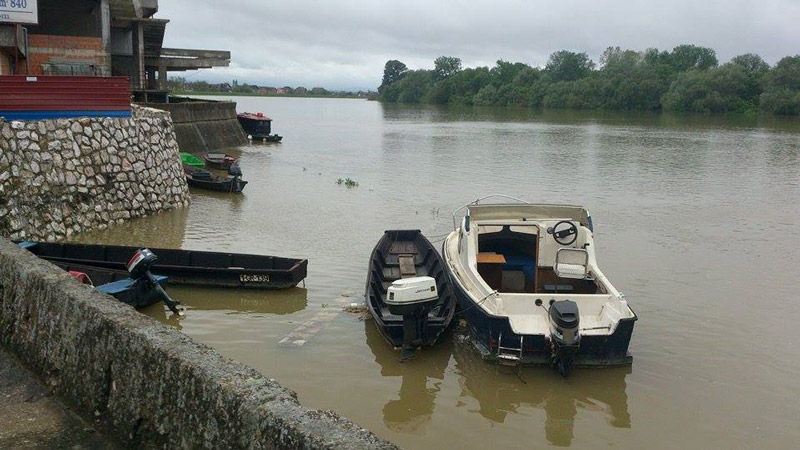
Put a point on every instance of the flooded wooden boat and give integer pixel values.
(191, 160)
(204, 179)
(258, 127)
(116, 283)
(134, 286)
(408, 290)
(530, 287)
(220, 161)
(186, 266)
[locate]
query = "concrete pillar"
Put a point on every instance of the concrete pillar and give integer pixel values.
(162, 77)
(105, 24)
(138, 57)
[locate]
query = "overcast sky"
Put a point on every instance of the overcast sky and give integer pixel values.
(343, 44)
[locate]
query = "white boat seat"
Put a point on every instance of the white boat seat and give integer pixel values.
(572, 263)
(565, 270)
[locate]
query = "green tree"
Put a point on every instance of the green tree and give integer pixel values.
(687, 57)
(393, 71)
(782, 92)
(752, 63)
(565, 65)
(445, 66)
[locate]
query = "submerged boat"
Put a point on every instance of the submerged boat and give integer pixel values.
(408, 291)
(186, 266)
(134, 286)
(220, 161)
(529, 286)
(191, 160)
(204, 179)
(258, 127)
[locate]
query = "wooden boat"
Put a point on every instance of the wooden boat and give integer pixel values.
(136, 288)
(116, 283)
(186, 266)
(191, 160)
(528, 282)
(258, 127)
(204, 179)
(403, 255)
(219, 160)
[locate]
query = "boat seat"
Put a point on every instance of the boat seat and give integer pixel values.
(407, 267)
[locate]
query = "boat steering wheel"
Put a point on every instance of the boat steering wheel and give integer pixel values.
(564, 236)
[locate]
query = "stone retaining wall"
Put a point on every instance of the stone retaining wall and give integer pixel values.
(148, 384)
(63, 176)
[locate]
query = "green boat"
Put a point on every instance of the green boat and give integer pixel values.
(191, 160)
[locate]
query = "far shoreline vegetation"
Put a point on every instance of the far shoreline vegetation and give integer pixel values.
(181, 86)
(687, 79)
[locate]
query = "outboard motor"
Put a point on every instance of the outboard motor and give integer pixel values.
(412, 298)
(565, 335)
(235, 171)
(139, 268)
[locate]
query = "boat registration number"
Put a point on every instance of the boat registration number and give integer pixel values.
(254, 278)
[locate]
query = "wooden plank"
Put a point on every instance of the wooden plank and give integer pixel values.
(307, 330)
(491, 258)
(407, 267)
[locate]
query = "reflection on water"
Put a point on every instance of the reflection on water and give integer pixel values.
(503, 390)
(412, 410)
(231, 301)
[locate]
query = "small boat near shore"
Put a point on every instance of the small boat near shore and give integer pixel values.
(408, 290)
(188, 267)
(219, 161)
(191, 160)
(258, 127)
(204, 179)
(530, 288)
(134, 286)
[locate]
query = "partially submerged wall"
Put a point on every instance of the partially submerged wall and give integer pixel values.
(149, 384)
(203, 126)
(62, 176)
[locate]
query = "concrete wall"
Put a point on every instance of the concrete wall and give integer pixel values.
(150, 385)
(203, 126)
(64, 176)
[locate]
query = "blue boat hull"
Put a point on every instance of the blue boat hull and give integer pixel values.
(486, 330)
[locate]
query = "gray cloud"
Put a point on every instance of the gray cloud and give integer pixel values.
(344, 43)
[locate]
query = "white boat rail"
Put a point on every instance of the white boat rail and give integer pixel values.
(475, 202)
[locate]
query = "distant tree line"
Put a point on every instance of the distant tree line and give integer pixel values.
(182, 85)
(689, 78)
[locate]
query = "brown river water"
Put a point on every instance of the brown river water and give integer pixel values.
(697, 221)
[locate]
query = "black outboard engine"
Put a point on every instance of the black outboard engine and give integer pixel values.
(139, 268)
(412, 298)
(235, 170)
(565, 335)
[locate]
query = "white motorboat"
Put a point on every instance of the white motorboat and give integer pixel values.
(528, 283)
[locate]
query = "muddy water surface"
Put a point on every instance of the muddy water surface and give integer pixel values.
(697, 222)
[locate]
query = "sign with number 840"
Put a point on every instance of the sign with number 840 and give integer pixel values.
(19, 11)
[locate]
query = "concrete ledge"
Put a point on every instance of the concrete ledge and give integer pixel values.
(203, 126)
(150, 384)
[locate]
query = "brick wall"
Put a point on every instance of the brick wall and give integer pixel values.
(68, 53)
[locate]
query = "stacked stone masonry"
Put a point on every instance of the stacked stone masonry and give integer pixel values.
(63, 176)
